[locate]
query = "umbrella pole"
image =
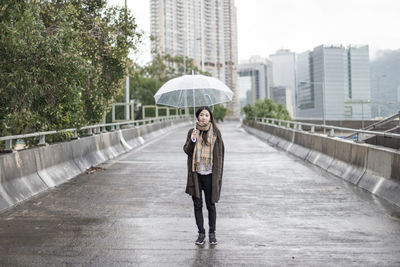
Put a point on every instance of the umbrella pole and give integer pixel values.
(194, 110)
(194, 106)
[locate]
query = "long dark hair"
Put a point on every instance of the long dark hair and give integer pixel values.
(204, 133)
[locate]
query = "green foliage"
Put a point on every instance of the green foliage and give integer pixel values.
(219, 112)
(266, 109)
(61, 62)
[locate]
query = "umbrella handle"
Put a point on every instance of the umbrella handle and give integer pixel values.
(194, 105)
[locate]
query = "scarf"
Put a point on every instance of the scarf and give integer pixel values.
(203, 154)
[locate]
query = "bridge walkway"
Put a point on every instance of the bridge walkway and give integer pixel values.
(275, 210)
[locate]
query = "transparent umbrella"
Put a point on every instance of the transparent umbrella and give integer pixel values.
(193, 91)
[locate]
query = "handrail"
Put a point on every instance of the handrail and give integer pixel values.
(379, 123)
(96, 128)
(298, 125)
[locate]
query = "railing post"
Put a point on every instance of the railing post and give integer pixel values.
(287, 124)
(279, 123)
(332, 133)
(112, 128)
(300, 129)
(42, 140)
(360, 137)
(90, 131)
(9, 145)
(75, 136)
(104, 129)
(312, 129)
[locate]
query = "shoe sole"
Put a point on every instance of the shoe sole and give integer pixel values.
(199, 244)
(213, 243)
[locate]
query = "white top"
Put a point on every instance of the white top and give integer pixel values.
(203, 169)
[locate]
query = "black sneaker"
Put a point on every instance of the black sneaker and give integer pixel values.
(200, 239)
(212, 239)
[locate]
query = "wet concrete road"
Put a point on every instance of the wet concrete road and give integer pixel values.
(275, 210)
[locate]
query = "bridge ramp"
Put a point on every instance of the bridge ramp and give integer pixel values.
(275, 210)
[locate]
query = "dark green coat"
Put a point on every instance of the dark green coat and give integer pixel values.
(192, 186)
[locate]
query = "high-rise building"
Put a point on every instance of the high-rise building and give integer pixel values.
(283, 73)
(255, 80)
(305, 89)
(333, 83)
(282, 95)
(204, 30)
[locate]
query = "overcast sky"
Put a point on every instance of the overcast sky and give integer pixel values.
(299, 25)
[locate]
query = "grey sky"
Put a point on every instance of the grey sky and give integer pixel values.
(267, 25)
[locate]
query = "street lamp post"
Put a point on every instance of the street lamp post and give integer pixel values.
(378, 79)
(127, 94)
(201, 53)
(362, 102)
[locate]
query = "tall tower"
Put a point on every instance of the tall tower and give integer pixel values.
(204, 30)
(283, 73)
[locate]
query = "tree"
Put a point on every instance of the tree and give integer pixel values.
(266, 109)
(61, 62)
(219, 112)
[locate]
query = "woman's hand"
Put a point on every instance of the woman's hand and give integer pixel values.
(195, 134)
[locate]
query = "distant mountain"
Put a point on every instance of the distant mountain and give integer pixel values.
(385, 83)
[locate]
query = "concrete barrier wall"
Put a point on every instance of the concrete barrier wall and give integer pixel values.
(55, 164)
(373, 168)
(19, 178)
(26, 173)
(349, 161)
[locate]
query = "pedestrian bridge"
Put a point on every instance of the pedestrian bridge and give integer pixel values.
(276, 209)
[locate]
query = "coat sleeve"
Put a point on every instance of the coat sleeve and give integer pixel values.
(189, 145)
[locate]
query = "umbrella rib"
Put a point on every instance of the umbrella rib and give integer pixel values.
(179, 98)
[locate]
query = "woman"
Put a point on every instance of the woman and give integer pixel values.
(205, 150)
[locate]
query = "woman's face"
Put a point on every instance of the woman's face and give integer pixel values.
(204, 116)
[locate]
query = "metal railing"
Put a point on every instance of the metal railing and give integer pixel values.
(377, 124)
(90, 130)
(299, 126)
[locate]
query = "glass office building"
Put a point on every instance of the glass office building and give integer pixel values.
(333, 82)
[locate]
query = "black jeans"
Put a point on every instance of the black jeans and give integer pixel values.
(205, 183)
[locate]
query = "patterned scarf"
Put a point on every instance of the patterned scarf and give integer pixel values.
(203, 154)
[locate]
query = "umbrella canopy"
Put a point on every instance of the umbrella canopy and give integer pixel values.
(193, 91)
